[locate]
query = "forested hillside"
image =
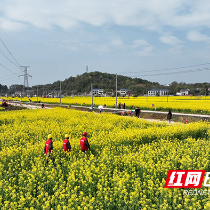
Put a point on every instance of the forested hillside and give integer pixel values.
(82, 83)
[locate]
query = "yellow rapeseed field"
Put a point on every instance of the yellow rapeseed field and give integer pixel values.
(125, 169)
(188, 104)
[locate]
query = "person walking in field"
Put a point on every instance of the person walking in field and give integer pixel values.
(169, 117)
(48, 145)
(48, 148)
(84, 143)
(137, 112)
(119, 105)
(66, 144)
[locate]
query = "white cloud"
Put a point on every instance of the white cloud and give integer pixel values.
(141, 46)
(176, 49)
(150, 14)
(171, 40)
(116, 42)
(138, 47)
(196, 36)
(140, 42)
(144, 52)
(11, 26)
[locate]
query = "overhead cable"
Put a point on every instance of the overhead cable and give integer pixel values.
(168, 73)
(182, 67)
(9, 79)
(9, 59)
(12, 43)
(8, 69)
(9, 52)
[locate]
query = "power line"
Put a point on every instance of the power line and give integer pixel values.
(10, 80)
(8, 69)
(9, 51)
(12, 43)
(182, 67)
(7, 76)
(9, 59)
(177, 72)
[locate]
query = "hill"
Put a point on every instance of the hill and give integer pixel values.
(82, 83)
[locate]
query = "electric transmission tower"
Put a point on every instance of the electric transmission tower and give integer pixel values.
(25, 75)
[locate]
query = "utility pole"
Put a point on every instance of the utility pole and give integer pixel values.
(116, 91)
(167, 96)
(25, 75)
(91, 96)
(60, 92)
(86, 69)
(146, 94)
(37, 94)
(205, 93)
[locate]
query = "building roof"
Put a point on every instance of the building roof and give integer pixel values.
(184, 90)
(164, 90)
(124, 89)
(154, 90)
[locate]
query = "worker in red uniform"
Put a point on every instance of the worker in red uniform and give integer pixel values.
(84, 143)
(66, 144)
(48, 148)
(48, 145)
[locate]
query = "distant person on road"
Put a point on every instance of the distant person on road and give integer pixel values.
(66, 144)
(169, 116)
(42, 106)
(137, 112)
(119, 105)
(124, 106)
(84, 143)
(90, 109)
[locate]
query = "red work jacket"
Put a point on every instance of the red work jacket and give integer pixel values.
(82, 144)
(47, 146)
(65, 148)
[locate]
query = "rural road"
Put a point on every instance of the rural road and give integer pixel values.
(162, 115)
(34, 106)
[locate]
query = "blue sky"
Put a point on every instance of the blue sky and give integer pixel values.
(133, 38)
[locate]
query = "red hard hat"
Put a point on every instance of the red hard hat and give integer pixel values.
(84, 134)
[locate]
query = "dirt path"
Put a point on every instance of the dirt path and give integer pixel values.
(27, 105)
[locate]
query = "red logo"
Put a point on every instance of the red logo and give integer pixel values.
(184, 178)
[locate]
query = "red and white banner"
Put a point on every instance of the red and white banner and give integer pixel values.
(185, 179)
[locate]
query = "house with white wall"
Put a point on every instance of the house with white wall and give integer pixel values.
(163, 92)
(98, 92)
(153, 92)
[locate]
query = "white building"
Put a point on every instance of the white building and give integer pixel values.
(97, 92)
(163, 92)
(123, 91)
(18, 93)
(184, 92)
(153, 92)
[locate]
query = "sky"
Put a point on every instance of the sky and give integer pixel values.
(157, 40)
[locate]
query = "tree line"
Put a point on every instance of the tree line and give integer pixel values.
(81, 84)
